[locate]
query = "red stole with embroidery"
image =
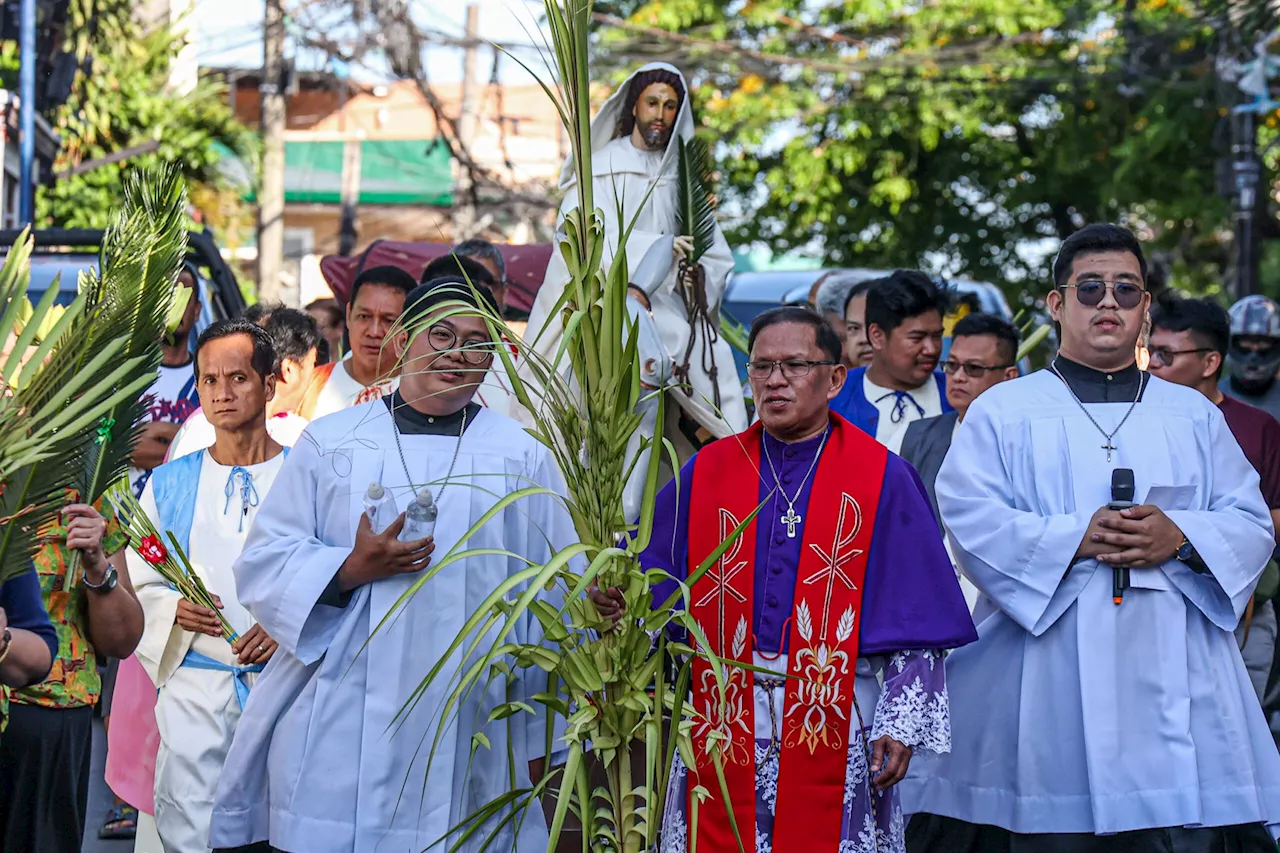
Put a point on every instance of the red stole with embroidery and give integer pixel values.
(823, 648)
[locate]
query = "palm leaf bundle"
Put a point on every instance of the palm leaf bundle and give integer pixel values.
(695, 213)
(67, 399)
(170, 561)
(139, 261)
(609, 700)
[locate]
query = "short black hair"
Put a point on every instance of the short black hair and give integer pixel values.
(1208, 321)
(901, 295)
(386, 276)
(1091, 239)
(293, 334)
(264, 353)
(1006, 335)
(828, 341)
(485, 251)
(446, 289)
(857, 290)
(259, 312)
(454, 265)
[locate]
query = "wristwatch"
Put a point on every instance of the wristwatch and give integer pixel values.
(1185, 551)
(108, 583)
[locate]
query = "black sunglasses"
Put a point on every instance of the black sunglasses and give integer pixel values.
(1091, 293)
(973, 371)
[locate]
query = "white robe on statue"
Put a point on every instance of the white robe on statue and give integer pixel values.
(196, 709)
(1072, 714)
(623, 175)
(317, 765)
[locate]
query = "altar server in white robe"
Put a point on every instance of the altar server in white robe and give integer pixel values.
(321, 762)
(1079, 724)
(208, 500)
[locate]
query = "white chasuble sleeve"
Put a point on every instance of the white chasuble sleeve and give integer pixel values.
(1016, 555)
(1232, 532)
(163, 644)
(287, 564)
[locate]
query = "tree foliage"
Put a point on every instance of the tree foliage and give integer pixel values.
(121, 99)
(952, 135)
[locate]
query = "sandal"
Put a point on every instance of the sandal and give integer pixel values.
(121, 823)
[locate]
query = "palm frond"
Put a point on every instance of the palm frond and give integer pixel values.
(70, 404)
(695, 214)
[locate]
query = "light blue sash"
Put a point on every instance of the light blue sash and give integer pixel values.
(195, 660)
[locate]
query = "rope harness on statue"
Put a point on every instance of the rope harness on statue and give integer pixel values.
(693, 293)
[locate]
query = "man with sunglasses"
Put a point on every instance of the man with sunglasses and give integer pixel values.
(1094, 715)
(1189, 344)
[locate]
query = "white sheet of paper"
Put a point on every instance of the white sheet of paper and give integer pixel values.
(1171, 498)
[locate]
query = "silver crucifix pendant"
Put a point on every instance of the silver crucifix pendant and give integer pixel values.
(1109, 447)
(791, 520)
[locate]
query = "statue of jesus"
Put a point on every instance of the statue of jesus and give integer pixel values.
(634, 149)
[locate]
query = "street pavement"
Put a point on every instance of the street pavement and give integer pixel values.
(100, 799)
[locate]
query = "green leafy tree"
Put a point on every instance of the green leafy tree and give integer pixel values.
(953, 135)
(122, 99)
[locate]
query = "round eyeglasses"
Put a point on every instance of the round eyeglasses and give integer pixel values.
(444, 339)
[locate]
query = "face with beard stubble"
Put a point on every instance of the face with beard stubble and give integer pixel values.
(655, 115)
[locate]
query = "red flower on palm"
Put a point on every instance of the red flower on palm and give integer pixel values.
(152, 550)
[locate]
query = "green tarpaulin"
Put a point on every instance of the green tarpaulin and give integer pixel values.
(392, 171)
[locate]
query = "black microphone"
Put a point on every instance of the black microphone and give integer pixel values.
(1121, 498)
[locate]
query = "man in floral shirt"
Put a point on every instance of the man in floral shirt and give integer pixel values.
(44, 755)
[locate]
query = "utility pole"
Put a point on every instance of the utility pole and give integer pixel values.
(350, 193)
(27, 112)
(464, 210)
(271, 196)
(1246, 171)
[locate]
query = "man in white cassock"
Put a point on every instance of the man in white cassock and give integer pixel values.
(1100, 711)
(327, 758)
(208, 500)
(635, 151)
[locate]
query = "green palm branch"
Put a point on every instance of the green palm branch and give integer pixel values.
(64, 397)
(695, 213)
(618, 710)
(139, 261)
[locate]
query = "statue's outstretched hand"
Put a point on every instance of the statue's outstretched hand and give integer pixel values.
(682, 247)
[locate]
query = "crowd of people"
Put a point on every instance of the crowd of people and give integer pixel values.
(976, 611)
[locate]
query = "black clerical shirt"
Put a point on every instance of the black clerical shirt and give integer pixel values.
(1095, 386)
(412, 422)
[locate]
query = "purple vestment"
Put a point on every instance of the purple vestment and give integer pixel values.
(912, 608)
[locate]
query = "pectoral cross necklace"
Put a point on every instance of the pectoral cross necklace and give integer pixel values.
(1108, 446)
(791, 518)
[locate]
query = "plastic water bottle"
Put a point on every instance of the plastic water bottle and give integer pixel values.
(419, 518)
(380, 506)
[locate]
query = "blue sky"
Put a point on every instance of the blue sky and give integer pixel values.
(229, 32)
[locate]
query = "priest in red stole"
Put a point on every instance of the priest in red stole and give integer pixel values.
(840, 578)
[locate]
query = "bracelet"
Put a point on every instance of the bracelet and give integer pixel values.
(8, 644)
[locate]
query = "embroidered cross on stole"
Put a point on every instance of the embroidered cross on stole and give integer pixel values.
(823, 643)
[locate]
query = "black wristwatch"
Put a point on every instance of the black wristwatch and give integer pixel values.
(108, 583)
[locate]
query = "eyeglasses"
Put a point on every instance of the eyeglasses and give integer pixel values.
(792, 368)
(444, 339)
(1090, 293)
(1166, 356)
(973, 371)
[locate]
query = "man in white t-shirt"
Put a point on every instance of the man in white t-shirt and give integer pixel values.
(295, 338)
(901, 385)
(368, 371)
(173, 394)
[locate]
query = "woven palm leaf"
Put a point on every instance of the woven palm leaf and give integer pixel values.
(695, 214)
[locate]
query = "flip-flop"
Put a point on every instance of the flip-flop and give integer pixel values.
(121, 823)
